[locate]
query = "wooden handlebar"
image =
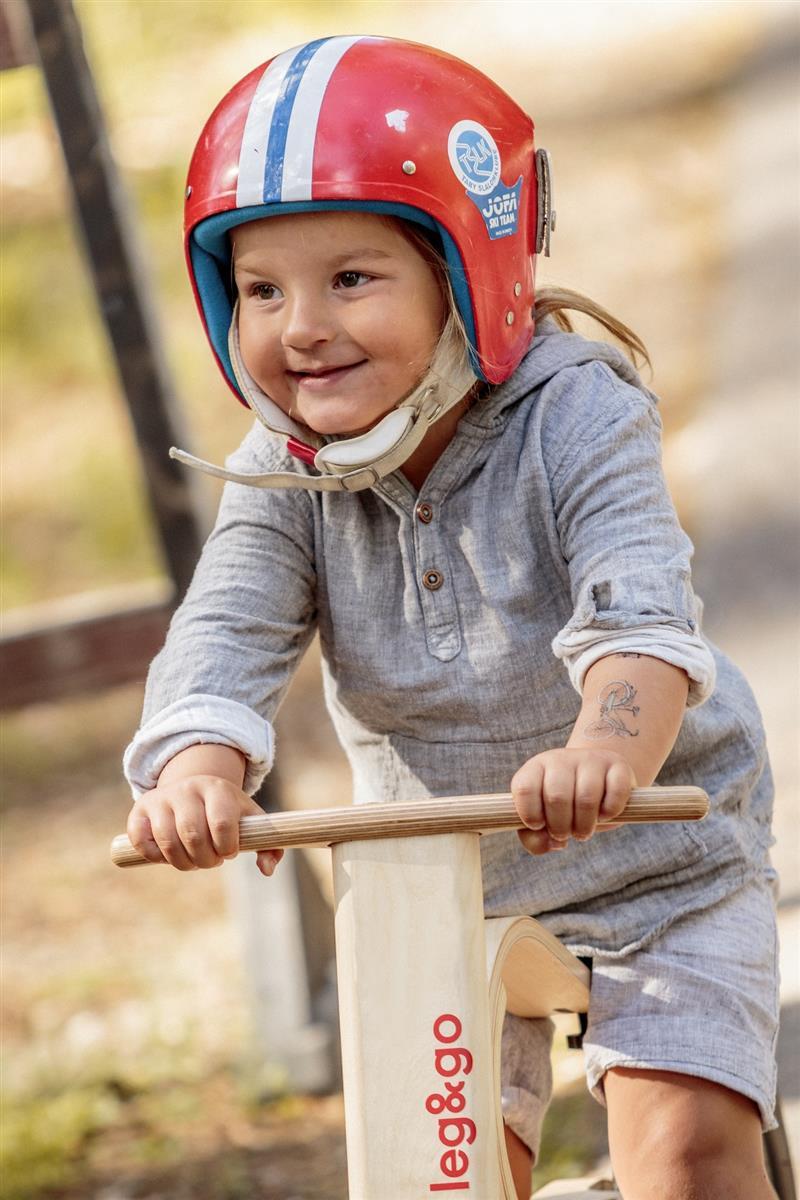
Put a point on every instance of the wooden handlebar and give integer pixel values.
(451, 814)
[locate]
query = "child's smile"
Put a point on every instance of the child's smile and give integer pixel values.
(321, 379)
(339, 315)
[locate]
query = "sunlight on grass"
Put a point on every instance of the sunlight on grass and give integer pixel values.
(43, 1138)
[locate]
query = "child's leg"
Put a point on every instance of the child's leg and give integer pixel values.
(520, 1160)
(527, 1081)
(680, 1046)
(677, 1137)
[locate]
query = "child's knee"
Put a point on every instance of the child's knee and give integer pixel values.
(679, 1127)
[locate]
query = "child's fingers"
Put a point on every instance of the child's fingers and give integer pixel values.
(558, 790)
(618, 783)
(590, 783)
(223, 810)
(526, 791)
(170, 845)
(141, 835)
(191, 824)
(538, 841)
(162, 821)
(268, 860)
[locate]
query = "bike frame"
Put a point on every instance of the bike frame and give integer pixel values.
(424, 983)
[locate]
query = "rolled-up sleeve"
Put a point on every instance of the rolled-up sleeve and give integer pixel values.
(627, 556)
(235, 640)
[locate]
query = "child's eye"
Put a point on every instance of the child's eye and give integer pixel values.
(351, 279)
(265, 291)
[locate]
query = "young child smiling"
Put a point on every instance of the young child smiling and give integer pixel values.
(465, 500)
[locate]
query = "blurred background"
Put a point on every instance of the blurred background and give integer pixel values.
(128, 1024)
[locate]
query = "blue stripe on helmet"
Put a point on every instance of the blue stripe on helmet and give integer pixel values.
(276, 145)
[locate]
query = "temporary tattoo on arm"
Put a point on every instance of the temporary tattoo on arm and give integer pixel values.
(618, 695)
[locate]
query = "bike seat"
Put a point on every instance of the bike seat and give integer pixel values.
(540, 976)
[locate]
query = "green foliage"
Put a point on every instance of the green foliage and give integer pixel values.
(23, 99)
(51, 332)
(573, 1138)
(98, 528)
(42, 1139)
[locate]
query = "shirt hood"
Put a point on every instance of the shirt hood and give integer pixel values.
(550, 352)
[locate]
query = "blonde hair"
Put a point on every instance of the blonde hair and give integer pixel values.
(450, 367)
(452, 354)
(556, 302)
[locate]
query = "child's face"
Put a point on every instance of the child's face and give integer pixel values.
(339, 315)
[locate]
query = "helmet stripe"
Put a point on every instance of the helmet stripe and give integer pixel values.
(298, 154)
(276, 160)
(276, 145)
(253, 154)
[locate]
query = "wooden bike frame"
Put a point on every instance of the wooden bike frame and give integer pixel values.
(424, 982)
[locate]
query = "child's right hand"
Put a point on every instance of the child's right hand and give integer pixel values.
(194, 822)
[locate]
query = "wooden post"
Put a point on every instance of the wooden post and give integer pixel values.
(296, 1051)
(414, 1014)
(119, 274)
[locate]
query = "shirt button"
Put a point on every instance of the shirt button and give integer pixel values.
(425, 513)
(433, 580)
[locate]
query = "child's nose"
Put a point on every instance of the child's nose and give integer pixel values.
(308, 322)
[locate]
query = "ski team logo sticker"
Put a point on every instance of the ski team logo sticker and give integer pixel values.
(475, 160)
(474, 157)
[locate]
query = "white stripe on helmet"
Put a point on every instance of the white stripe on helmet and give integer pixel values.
(298, 163)
(253, 154)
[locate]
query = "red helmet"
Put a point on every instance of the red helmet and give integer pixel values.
(384, 126)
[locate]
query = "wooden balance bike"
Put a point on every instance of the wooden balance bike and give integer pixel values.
(425, 981)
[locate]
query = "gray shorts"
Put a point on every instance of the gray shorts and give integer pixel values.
(701, 999)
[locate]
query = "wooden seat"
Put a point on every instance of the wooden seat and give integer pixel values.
(532, 975)
(540, 976)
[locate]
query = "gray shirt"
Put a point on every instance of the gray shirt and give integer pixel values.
(456, 626)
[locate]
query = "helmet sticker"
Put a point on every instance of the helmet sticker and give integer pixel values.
(500, 209)
(475, 160)
(474, 157)
(397, 119)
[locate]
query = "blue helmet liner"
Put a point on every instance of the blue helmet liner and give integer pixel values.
(210, 250)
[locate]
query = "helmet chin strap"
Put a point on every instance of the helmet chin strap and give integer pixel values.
(348, 464)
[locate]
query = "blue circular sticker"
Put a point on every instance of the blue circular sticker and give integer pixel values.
(474, 157)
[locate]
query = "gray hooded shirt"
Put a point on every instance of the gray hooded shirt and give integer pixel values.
(456, 625)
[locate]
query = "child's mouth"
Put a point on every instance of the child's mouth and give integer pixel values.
(324, 378)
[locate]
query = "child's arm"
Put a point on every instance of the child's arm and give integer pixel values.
(632, 710)
(191, 818)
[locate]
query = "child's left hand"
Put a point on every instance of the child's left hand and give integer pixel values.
(563, 793)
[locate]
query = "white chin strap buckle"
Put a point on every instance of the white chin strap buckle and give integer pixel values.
(342, 456)
(349, 465)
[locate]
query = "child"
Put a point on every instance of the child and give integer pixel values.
(470, 512)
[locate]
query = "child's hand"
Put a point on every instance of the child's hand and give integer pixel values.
(194, 822)
(563, 793)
